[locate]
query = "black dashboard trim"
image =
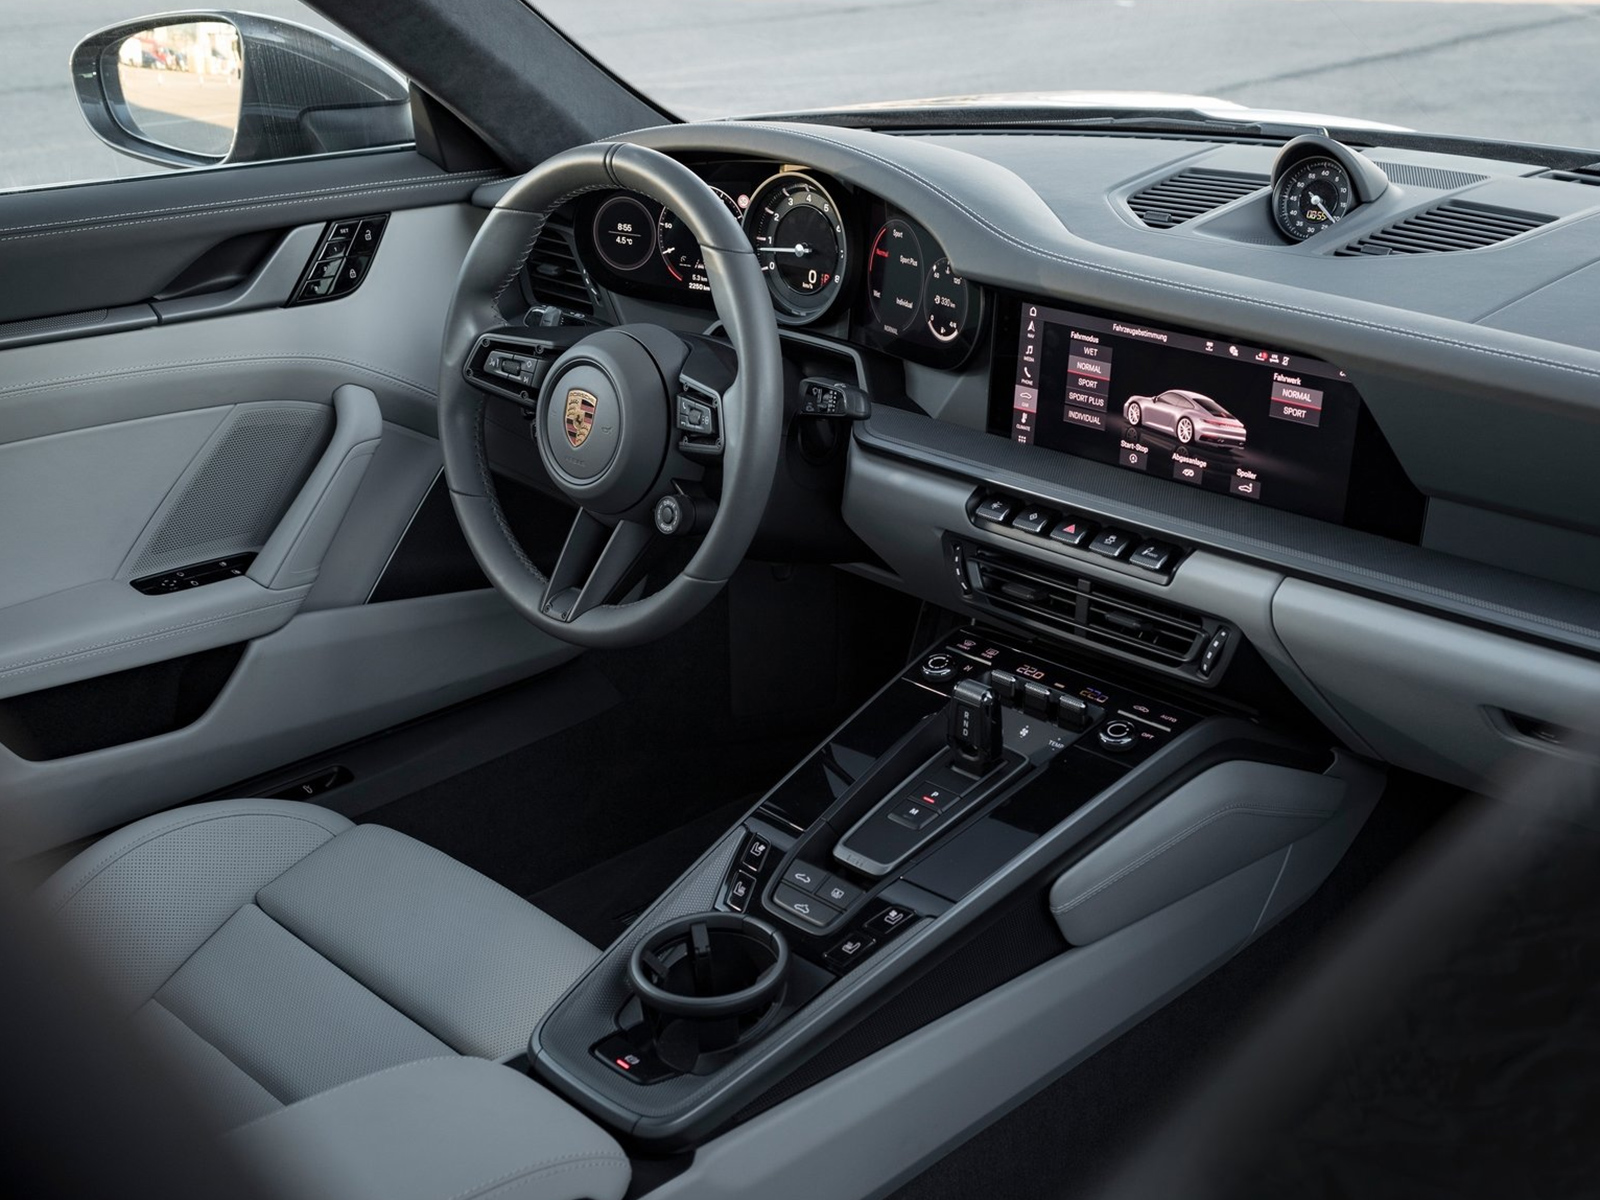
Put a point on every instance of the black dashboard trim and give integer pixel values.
(1503, 601)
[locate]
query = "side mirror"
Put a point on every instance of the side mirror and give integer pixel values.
(197, 89)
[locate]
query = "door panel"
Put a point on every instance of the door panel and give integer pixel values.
(107, 245)
(305, 434)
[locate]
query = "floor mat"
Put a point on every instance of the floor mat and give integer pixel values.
(601, 902)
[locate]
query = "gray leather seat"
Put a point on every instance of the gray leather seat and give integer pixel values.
(279, 952)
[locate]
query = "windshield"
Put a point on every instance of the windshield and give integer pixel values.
(1514, 70)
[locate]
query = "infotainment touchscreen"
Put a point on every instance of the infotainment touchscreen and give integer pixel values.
(1258, 424)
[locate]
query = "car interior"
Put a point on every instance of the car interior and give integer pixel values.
(550, 650)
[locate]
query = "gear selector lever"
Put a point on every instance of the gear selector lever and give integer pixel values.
(975, 731)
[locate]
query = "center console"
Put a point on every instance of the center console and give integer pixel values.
(990, 789)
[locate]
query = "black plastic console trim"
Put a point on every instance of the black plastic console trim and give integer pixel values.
(682, 1110)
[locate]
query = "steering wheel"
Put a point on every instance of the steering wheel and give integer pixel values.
(623, 417)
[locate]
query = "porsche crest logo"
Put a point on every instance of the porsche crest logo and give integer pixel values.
(579, 416)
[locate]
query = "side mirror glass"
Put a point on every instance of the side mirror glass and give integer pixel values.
(201, 89)
(178, 86)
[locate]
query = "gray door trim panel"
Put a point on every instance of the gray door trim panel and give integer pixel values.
(119, 242)
(324, 679)
(385, 336)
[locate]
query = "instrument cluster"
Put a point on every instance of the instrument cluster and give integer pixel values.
(826, 253)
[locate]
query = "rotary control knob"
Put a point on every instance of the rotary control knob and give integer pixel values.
(937, 667)
(1118, 735)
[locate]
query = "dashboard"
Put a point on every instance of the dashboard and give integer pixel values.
(1331, 409)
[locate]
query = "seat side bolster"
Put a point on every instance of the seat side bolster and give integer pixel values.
(140, 901)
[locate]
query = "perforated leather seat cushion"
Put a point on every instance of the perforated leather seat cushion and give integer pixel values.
(280, 951)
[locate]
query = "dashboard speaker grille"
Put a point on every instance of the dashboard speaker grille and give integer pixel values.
(1408, 175)
(1190, 194)
(1089, 610)
(554, 274)
(1453, 225)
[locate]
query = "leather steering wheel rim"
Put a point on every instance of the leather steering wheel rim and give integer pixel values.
(751, 409)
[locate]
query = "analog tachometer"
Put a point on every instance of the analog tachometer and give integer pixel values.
(799, 239)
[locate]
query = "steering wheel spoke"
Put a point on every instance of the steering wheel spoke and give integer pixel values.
(595, 561)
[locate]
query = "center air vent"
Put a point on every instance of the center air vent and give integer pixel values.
(1190, 194)
(1453, 225)
(553, 272)
(1088, 610)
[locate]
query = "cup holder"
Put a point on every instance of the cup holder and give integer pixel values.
(707, 984)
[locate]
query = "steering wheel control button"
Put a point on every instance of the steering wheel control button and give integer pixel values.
(937, 667)
(1073, 531)
(1154, 556)
(890, 918)
(851, 950)
(1113, 543)
(696, 416)
(1033, 520)
(755, 853)
(740, 891)
(1119, 735)
(995, 508)
(803, 905)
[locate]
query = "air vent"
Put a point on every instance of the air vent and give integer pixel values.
(1190, 194)
(1088, 610)
(1453, 225)
(1589, 174)
(554, 273)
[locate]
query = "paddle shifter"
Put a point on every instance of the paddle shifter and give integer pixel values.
(975, 726)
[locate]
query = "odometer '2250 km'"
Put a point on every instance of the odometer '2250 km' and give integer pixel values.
(799, 239)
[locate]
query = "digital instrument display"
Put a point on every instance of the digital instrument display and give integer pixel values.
(1261, 425)
(916, 305)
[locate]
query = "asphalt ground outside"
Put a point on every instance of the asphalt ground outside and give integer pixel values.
(1513, 69)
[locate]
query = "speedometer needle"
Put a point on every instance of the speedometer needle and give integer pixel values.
(799, 249)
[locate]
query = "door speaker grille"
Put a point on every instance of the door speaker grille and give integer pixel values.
(233, 497)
